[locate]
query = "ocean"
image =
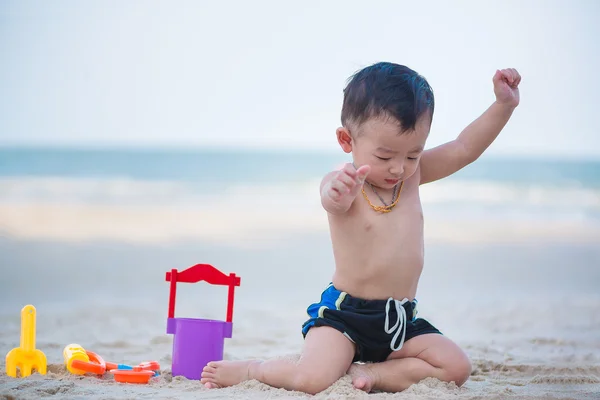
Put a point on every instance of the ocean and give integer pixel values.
(492, 187)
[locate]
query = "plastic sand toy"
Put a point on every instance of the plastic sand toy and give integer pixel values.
(196, 342)
(80, 361)
(26, 357)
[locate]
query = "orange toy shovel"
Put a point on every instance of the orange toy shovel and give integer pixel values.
(26, 357)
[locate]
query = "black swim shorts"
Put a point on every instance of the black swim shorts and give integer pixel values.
(377, 327)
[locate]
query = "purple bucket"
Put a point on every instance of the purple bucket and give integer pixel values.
(196, 342)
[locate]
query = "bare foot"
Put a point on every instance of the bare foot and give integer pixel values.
(362, 377)
(218, 374)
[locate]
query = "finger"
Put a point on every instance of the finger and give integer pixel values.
(503, 77)
(335, 197)
(508, 75)
(346, 179)
(497, 76)
(340, 187)
(349, 170)
(363, 172)
(513, 75)
(334, 194)
(517, 77)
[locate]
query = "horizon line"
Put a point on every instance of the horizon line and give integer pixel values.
(179, 147)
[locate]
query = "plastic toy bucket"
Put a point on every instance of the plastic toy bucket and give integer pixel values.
(196, 342)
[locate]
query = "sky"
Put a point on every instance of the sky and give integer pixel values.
(270, 74)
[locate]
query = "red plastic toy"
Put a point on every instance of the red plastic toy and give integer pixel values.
(132, 376)
(96, 365)
(202, 272)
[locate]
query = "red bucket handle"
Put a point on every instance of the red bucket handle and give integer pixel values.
(202, 272)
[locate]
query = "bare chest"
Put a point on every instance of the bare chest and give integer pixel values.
(379, 254)
(403, 221)
(381, 234)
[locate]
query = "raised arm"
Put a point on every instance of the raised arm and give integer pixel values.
(446, 159)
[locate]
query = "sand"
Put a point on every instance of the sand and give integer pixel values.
(526, 308)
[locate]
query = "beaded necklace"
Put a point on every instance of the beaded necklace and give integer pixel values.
(385, 208)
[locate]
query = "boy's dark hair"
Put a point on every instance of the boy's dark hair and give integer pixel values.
(387, 89)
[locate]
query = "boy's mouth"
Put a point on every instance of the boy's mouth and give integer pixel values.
(392, 181)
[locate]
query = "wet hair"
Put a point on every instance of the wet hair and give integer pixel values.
(387, 90)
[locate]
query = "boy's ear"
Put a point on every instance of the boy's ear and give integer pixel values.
(344, 139)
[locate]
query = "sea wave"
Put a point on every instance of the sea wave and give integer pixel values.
(125, 191)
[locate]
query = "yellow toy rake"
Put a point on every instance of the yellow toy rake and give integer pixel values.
(26, 357)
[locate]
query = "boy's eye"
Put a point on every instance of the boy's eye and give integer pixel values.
(383, 158)
(412, 158)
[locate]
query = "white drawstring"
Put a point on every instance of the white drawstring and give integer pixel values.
(400, 324)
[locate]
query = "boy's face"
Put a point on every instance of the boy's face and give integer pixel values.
(393, 155)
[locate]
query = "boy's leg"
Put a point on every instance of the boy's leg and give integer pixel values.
(325, 358)
(429, 355)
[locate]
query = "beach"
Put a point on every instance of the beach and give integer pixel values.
(520, 295)
(527, 314)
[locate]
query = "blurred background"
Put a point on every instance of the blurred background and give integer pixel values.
(141, 136)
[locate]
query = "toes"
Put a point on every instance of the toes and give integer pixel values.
(212, 364)
(359, 383)
(209, 371)
(207, 375)
(211, 385)
(364, 384)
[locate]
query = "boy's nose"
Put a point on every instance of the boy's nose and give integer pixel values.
(397, 169)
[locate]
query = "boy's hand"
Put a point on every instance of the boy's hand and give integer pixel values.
(506, 87)
(343, 187)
